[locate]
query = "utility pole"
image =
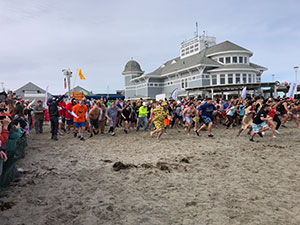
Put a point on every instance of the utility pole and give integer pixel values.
(68, 74)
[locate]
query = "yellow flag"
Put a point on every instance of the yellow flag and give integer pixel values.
(81, 75)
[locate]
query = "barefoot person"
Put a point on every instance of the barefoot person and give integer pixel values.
(80, 111)
(160, 113)
(187, 115)
(111, 115)
(260, 122)
(93, 118)
(247, 118)
(126, 114)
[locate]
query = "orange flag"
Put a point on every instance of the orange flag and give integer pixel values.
(81, 75)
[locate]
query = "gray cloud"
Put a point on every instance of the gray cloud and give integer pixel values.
(40, 38)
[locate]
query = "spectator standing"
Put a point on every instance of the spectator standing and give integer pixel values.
(53, 113)
(39, 112)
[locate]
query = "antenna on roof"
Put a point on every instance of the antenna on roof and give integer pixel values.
(196, 34)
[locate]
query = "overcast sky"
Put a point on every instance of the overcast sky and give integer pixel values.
(39, 38)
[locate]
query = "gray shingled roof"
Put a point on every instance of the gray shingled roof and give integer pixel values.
(187, 62)
(258, 66)
(225, 46)
(30, 87)
(80, 89)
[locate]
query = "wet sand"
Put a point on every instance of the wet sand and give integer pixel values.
(178, 180)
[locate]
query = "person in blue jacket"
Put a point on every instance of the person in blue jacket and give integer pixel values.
(206, 111)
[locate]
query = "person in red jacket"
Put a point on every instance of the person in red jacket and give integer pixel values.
(61, 118)
(4, 133)
(68, 115)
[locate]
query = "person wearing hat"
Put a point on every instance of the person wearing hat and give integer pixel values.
(53, 114)
(39, 111)
(143, 112)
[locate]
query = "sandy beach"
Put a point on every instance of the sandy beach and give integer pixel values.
(178, 180)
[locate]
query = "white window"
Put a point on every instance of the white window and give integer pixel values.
(237, 78)
(228, 59)
(222, 79)
(230, 78)
(244, 78)
(240, 59)
(214, 79)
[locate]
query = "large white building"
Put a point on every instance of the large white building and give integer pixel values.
(202, 63)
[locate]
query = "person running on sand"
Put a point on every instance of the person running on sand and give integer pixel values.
(187, 115)
(143, 110)
(111, 114)
(294, 113)
(160, 113)
(260, 122)
(79, 113)
(93, 118)
(126, 114)
(102, 116)
(230, 114)
(272, 113)
(206, 111)
(283, 109)
(248, 118)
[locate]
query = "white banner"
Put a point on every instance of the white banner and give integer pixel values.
(174, 94)
(46, 98)
(244, 93)
(292, 90)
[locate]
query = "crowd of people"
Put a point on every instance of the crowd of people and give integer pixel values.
(15, 117)
(255, 114)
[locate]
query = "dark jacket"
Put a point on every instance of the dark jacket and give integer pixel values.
(53, 110)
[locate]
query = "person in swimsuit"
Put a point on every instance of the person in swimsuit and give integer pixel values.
(93, 118)
(187, 115)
